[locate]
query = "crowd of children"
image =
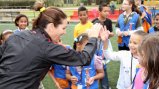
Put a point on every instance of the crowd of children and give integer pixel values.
(138, 45)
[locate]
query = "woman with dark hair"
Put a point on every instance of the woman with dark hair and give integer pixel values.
(27, 56)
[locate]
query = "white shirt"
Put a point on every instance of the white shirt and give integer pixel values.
(125, 66)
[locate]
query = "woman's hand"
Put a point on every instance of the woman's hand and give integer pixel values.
(94, 31)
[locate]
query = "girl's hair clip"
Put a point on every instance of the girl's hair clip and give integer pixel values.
(80, 38)
(75, 39)
(42, 9)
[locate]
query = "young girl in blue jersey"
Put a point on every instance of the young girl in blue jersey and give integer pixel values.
(84, 77)
(128, 22)
(58, 73)
(155, 28)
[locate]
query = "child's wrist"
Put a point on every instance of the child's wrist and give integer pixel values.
(122, 33)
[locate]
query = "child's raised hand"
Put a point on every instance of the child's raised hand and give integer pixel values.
(94, 31)
(104, 33)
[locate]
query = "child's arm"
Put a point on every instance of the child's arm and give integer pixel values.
(51, 74)
(130, 87)
(99, 75)
(68, 74)
(111, 55)
(71, 78)
(99, 70)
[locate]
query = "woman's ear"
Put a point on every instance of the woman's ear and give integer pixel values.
(50, 26)
(49, 29)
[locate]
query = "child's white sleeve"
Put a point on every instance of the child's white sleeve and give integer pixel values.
(111, 55)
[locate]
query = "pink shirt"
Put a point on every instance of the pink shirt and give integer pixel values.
(138, 84)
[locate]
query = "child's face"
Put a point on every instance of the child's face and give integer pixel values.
(137, 2)
(125, 5)
(134, 42)
(156, 21)
(83, 16)
(105, 12)
(22, 23)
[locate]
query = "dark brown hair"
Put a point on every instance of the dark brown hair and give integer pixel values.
(100, 8)
(134, 7)
(80, 39)
(149, 50)
(18, 18)
(82, 8)
(142, 1)
(49, 15)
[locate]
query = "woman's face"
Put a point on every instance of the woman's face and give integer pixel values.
(125, 5)
(134, 42)
(22, 23)
(56, 32)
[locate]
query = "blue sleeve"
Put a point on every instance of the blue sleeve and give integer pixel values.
(151, 30)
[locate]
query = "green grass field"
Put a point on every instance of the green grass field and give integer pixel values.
(112, 67)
